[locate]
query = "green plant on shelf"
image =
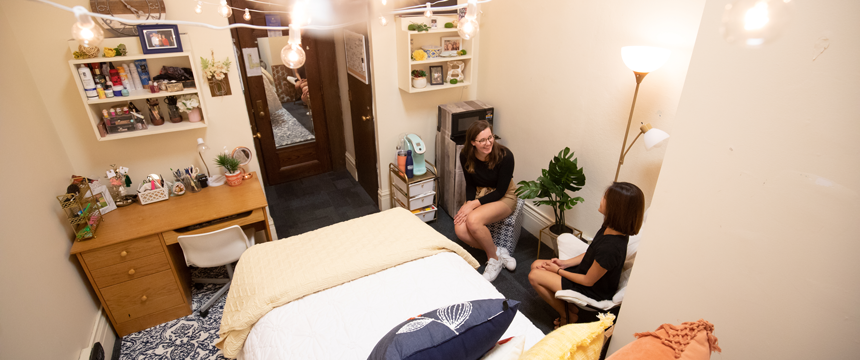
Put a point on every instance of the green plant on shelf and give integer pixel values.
(418, 27)
(418, 73)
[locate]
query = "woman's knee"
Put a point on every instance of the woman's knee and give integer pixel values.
(474, 223)
(536, 264)
(534, 276)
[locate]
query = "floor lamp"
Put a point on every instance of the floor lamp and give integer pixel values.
(642, 60)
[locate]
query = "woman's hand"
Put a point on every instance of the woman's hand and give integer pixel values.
(560, 263)
(551, 266)
(465, 210)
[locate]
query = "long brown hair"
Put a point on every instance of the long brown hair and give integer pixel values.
(625, 208)
(493, 158)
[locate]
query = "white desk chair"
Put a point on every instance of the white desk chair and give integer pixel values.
(213, 249)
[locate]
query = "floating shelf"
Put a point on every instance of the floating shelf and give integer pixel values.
(142, 94)
(167, 127)
(440, 60)
(408, 41)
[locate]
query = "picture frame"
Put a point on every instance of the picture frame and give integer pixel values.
(452, 43)
(102, 195)
(436, 75)
(159, 39)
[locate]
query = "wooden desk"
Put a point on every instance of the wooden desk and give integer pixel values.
(135, 264)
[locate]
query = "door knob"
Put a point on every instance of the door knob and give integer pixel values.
(365, 118)
(257, 135)
(131, 272)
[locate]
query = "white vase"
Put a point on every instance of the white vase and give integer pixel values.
(419, 83)
(194, 115)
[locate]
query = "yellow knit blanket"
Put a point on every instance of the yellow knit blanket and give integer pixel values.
(273, 274)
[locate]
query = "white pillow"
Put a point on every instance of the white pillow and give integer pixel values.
(570, 246)
(509, 350)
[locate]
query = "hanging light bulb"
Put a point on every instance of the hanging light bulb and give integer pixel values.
(85, 30)
(299, 15)
(429, 12)
(292, 55)
(224, 10)
(199, 8)
(247, 16)
(753, 23)
(384, 2)
(382, 20)
(468, 27)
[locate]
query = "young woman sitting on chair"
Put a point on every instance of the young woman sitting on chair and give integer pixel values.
(597, 272)
(490, 195)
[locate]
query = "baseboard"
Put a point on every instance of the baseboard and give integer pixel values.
(350, 166)
(102, 333)
(384, 200)
(535, 220)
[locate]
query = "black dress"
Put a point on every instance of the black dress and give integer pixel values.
(609, 251)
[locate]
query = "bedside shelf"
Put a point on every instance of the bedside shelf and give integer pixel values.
(142, 94)
(167, 127)
(408, 41)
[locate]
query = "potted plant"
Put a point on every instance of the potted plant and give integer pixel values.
(562, 175)
(190, 104)
(231, 169)
(419, 79)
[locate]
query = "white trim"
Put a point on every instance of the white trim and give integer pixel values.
(350, 166)
(535, 220)
(384, 200)
(102, 333)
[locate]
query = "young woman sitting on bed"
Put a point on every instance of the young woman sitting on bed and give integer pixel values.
(490, 195)
(595, 273)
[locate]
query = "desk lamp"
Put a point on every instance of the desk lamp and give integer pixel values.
(642, 60)
(217, 180)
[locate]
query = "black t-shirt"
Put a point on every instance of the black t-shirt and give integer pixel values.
(609, 251)
(499, 177)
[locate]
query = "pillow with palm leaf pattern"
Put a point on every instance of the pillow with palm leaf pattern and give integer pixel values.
(460, 331)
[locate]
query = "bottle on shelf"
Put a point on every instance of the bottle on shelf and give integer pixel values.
(100, 91)
(97, 75)
(109, 89)
(88, 82)
(409, 164)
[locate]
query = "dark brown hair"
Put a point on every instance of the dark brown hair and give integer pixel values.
(625, 207)
(493, 158)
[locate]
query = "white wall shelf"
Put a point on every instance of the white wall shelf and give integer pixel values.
(154, 62)
(409, 41)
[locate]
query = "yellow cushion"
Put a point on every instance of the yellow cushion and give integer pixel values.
(572, 341)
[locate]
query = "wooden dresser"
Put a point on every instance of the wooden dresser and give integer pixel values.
(140, 278)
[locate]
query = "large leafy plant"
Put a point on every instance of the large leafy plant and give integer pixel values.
(562, 175)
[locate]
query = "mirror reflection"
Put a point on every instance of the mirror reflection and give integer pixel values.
(286, 94)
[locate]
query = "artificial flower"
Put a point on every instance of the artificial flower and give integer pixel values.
(419, 55)
(110, 52)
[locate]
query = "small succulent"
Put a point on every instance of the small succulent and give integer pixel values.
(230, 165)
(449, 25)
(418, 73)
(453, 81)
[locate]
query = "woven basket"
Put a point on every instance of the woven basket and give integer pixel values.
(151, 196)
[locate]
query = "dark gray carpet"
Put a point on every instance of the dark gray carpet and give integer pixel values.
(311, 203)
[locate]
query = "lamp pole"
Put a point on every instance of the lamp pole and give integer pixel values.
(639, 77)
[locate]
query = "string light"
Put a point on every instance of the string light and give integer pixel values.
(468, 27)
(429, 12)
(85, 30)
(382, 20)
(199, 8)
(293, 55)
(224, 10)
(247, 15)
(753, 23)
(384, 2)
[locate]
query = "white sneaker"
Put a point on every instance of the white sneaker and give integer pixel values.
(506, 258)
(494, 267)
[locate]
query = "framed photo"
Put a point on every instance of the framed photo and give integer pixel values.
(451, 44)
(105, 201)
(159, 39)
(433, 23)
(436, 77)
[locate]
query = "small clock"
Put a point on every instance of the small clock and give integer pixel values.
(128, 9)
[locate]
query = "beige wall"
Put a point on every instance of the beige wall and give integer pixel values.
(753, 224)
(46, 311)
(227, 117)
(398, 112)
(557, 80)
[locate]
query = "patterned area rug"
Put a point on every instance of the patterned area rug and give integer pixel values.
(190, 337)
(287, 129)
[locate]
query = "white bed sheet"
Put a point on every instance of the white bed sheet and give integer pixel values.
(346, 322)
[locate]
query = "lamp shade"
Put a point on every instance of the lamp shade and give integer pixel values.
(654, 137)
(644, 59)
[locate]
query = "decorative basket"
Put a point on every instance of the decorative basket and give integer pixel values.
(151, 196)
(432, 51)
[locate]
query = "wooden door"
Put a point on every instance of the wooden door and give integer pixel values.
(296, 137)
(364, 125)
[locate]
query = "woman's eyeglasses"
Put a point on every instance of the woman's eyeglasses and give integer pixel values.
(485, 141)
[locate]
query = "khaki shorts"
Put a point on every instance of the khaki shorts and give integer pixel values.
(510, 198)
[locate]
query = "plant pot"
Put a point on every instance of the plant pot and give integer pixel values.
(236, 178)
(419, 83)
(553, 237)
(195, 115)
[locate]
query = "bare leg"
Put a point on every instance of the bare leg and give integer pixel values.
(477, 222)
(463, 234)
(546, 284)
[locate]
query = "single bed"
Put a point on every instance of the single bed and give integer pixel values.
(396, 267)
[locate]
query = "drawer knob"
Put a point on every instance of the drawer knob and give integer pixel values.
(143, 298)
(131, 272)
(123, 253)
